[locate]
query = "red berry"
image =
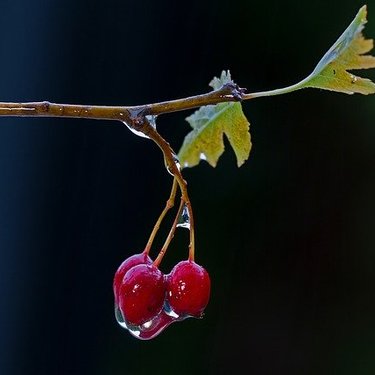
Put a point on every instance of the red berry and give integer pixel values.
(125, 266)
(188, 289)
(141, 294)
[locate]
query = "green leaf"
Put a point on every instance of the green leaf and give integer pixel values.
(210, 123)
(331, 73)
(346, 54)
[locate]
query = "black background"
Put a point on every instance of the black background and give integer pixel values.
(288, 238)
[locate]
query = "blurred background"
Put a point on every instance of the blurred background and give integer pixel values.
(288, 239)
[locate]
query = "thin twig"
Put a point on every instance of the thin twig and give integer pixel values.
(169, 204)
(170, 236)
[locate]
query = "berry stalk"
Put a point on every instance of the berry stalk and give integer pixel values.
(170, 236)
(169, 204)
(174, 167)
(135, 117)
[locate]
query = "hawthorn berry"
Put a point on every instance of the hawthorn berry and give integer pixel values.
(125, 266)
(188, 289)
(141, 294)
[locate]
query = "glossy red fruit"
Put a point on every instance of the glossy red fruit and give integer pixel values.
(125, 266)
(188, 290)
(141, 294)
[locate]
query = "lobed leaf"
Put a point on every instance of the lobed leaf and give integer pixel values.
(348, 53)
(210, 123)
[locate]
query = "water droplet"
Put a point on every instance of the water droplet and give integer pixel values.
(149, 329)
(184, 220)
(136, 132)
(177, 164)
(202, 156)
(168, 310)
(120, 319)
(152, 120)
(153, 327)
(353, 78)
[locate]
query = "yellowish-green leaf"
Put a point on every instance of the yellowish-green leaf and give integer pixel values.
(348, 53)
(210, 123)
(331, 73)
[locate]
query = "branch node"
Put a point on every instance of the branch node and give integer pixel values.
(137, 118)
(45, 106)
(232, 90)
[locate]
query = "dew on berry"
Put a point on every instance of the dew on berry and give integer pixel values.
(184, 219)
(133, 318)
(125, 267)
(152, 328)
(169, 311)
(119, 317)
(188, 289)
(141, 294)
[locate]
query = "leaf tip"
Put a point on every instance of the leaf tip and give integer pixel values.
(347, 53)
(225, 77)
(363, 13)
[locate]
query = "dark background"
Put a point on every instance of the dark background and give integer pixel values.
(288, 238)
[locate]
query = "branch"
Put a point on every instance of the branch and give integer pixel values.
(227, 93)
(135, 118)
(142, 124)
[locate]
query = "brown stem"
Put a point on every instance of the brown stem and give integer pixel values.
(169, 204)
(135, 117)
(47, 109)
(171, 160)
(170, 236)
(229, 92)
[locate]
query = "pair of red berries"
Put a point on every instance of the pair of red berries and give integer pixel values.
(147, 301)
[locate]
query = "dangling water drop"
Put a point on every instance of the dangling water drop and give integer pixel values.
(136, 132)
(169, 311)
(152, 121)
(184, 220)
(151, 328)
